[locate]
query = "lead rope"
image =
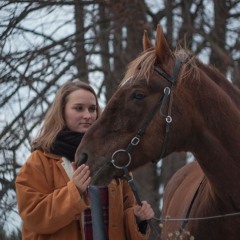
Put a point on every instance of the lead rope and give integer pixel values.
(131, 183)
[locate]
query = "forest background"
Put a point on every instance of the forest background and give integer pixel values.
(46, 43)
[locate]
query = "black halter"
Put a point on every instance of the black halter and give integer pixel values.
(167, 93)
(136, 139)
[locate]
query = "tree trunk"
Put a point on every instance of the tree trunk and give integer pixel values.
(80, 56)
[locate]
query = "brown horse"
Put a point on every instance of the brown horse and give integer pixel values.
(170, 102)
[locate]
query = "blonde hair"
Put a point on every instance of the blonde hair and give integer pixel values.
(54, 120)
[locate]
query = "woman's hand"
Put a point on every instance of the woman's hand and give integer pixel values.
(81, 177)
(144, 212)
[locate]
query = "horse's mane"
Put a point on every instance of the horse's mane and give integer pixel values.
(143, 66)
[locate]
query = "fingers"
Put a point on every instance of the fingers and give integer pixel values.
(74, 165)
(81, 177)
(144, 212)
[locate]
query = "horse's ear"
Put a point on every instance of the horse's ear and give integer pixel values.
(161, 46)
(146, 42)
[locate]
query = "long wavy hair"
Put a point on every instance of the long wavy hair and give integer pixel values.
(54, 120)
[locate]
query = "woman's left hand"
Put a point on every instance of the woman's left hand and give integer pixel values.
(144, 212)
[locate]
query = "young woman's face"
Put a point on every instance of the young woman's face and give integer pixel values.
(80, 110)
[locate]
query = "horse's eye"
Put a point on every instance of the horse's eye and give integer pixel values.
(138, 95)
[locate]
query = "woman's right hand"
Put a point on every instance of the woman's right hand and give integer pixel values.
(81, 177)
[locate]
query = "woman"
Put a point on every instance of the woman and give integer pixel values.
(52, 193)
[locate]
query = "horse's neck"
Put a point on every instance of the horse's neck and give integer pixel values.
(223, 83)
(221, 107)
(217, 143)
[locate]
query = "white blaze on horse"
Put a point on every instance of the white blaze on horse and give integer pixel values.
(167, 102)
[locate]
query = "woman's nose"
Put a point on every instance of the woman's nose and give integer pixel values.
(87, 114)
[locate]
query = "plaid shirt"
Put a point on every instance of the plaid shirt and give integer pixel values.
(88, 217)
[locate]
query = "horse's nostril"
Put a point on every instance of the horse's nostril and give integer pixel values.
(82, 159)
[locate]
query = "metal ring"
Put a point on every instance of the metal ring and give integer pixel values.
(113, 160)
(168, 119)
(167, 90)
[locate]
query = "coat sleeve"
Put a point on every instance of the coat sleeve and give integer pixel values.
(131, 226)
(43, 207)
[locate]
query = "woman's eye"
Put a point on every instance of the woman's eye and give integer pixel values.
(138, 96)
(93, 109)
(78, 108)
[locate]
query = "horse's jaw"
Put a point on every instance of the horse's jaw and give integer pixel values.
(102, 170)
(103, 174)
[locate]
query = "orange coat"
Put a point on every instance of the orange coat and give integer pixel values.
(52, 208)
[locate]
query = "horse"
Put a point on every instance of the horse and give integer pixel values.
(170, 101)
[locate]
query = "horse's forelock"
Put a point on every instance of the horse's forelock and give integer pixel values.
(141, 67)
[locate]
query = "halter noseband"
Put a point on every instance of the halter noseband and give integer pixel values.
(166, 94)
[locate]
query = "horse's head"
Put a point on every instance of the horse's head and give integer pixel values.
(140, 117)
